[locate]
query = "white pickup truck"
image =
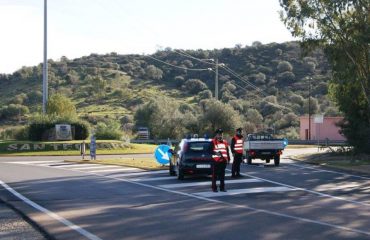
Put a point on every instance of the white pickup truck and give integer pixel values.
(263, 146)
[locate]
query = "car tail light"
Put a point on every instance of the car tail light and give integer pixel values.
(252, 152)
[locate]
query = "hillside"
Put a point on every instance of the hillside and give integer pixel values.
(113, 86)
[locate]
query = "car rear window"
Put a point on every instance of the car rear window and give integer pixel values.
(199, 146)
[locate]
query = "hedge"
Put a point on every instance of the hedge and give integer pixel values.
(37, 130)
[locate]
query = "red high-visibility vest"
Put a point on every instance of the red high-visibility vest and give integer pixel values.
(238, 147)
(220, 146)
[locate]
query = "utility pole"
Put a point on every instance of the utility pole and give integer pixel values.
(309, 108)
(45, 65)
(216, 80)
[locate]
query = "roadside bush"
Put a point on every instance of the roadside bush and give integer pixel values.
(13, 111)
(21, 133)
(111, 130)
(195, 86)
(14, 133)
(41, 124)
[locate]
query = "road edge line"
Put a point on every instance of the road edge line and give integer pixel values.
(51, 214)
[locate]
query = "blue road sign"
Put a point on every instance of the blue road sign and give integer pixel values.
(162, 155)
(285, 142)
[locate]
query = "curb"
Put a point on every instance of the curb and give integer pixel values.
(31, 222)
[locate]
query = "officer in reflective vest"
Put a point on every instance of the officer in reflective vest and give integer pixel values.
(237, 151)
(220, 157)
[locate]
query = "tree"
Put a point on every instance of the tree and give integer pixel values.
(341, 29)
(253, 116)
(61, 106)
(152, 72)
(13, 111)
(219, 115)
(284, 66)
(163, 118)
(195, 86)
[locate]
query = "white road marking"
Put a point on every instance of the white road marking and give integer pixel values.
(259, 210)
(139, 173)
(330, 171)
(96, 167)
(68, 165)
(33, 162)
(269, 212)
(243, 191)
(151, 179)
(111, 170)
(66, 222)
(307, 190)
(193, 184)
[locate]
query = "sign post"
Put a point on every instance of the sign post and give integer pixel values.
(93, 147)
(319, 119)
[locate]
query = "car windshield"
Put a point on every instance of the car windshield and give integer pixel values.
(199, 146)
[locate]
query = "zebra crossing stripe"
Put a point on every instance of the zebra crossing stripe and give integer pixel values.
(95, 167)
(232, 192)
(112, 170)
(33, 162)
(193, 184)
(151, 179)
(139, 173)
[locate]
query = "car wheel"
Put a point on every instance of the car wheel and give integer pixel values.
(277, 160)
(249, 160)
(172, 170)
(180, 173)
(268, 160)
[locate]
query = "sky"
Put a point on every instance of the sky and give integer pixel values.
(80, 27)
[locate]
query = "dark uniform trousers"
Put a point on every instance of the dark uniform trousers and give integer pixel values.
(235, 170)
(218, 172)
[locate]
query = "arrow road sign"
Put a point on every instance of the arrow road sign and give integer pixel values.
(162, 155)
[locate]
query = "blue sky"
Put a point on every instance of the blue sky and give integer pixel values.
(80, 27)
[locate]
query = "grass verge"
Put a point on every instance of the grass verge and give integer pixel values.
(358, 163)
(132, 149)
(142, 163)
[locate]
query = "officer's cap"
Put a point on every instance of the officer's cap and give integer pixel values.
(219, 131)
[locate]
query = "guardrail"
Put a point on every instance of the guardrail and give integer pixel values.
(291, 142)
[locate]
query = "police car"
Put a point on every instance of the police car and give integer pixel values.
(193, 156)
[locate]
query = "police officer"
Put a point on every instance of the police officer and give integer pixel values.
(237, 151)
(220, 157)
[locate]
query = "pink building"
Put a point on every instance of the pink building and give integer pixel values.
(320, 131)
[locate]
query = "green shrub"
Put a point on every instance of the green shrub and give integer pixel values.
(21, 133)
(109, 131)
(41, 124)
(14, 133)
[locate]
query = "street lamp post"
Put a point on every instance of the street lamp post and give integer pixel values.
(216, 80)
(217, 64)
(45, 65)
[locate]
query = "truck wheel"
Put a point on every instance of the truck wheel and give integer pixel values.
(172, 170)
(180, 173)
(249, 160)
(268, 160)
(277, 160)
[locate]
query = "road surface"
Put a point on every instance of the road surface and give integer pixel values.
(292, 201)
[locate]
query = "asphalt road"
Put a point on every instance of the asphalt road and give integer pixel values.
(292, 201)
